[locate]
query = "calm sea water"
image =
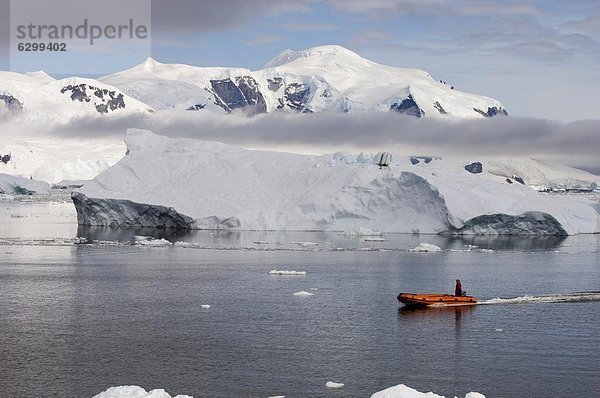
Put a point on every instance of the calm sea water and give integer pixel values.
(77, 319)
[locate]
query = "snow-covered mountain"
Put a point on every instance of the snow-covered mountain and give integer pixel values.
(40, 98)
(185, 183)
(326, 78)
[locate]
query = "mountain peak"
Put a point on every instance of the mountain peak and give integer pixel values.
(150, 64)
(287, 56)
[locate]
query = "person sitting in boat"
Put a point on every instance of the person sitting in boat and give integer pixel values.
(458, 292)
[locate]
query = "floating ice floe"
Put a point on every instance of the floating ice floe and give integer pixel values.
(425, 248)
(375, 239)
(303, 293)
(499, 330)
(399, 391)
(151, 241)
(282, 272)
(402, 391)
(305, 244)
(205, 306)
(136, 392)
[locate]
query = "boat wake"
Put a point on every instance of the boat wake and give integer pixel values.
(551, 298)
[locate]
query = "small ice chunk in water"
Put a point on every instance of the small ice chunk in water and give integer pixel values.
(426, 248)
(205, 306)
(402, 391)
(305, 244)
(331, 384)
(135, 392)
(281, 272)
(499, 330)
(303, 294)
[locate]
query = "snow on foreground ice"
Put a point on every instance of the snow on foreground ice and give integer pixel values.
(402, 391)
(399, 391)
(190, 184)
(136, 392)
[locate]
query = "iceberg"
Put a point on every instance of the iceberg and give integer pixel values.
(191, 184)
(13, 185)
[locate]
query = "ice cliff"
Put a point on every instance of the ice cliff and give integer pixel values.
(185, 183)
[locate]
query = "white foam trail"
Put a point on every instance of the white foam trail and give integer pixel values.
(552, 298)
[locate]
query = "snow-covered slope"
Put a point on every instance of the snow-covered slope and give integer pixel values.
(317, 79)
(40, 98)
(185, 183)
(54, 159)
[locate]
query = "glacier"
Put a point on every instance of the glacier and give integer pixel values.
(189, 184)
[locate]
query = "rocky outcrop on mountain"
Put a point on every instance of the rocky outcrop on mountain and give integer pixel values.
(492, 111)
(408, 107)
(241, 94)
(11, 103)
(103, 100)
(296, 97)
(474, 168)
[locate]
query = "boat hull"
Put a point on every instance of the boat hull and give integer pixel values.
(435, 300)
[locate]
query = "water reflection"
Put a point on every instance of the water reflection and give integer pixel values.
(428, 314)
(323, 240)
(507, 242)
(124, 234)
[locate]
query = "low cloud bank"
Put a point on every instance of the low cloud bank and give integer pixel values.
(576, 143)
